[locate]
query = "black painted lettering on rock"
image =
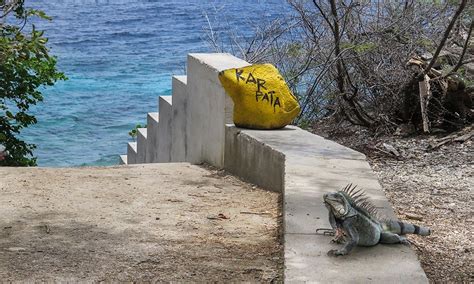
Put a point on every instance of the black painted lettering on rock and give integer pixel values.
(251, 79)
(260, 95)
(238, 74)
(260, 84)
(273, 101)
(271, 96)
(277, 103)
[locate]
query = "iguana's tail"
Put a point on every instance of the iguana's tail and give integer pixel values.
(402, 228)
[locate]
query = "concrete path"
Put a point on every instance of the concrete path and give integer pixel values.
(314, 166)
(143, 223)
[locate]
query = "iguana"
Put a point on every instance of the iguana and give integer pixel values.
(355, 221)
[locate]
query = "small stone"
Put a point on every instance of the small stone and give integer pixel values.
(414, 216)
(16, 249)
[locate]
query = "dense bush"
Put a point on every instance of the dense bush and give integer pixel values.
(25, 67)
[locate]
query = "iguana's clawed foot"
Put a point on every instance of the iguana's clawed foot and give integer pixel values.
(326, 232)
(404, 241)
(338, 240)
(337, 252)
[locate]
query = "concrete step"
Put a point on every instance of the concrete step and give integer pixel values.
(178, 131)
(131, 153)
(123, 160)
(141, 145)
(165, 129)
(152, 121)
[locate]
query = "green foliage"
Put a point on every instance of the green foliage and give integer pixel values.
(25, 67)
(305, 124)
(426, 43)
(295, 49)
(134, 132)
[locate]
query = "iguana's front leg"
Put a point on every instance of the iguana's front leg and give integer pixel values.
(353, 238)
(338, 230)
(339, 236)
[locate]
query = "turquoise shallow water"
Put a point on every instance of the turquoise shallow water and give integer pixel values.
(119, 57)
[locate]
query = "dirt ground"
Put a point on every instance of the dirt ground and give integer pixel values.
(426, 187)
(172, 222)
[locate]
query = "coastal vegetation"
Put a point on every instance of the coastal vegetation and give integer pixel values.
(134, 132)
(25, 68)
(374, 64)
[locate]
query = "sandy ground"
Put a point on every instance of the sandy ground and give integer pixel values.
(426, 187)
(434, 189)
(169, 222)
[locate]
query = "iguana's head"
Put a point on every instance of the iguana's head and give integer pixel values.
(337, 203)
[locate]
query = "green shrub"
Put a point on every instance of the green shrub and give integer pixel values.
(25, 67)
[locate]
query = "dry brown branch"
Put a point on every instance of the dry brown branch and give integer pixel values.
(425, 94)
(461, 136)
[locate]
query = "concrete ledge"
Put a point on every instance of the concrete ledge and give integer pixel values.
(123, 160)
(152, 121)
(293, 140)
(141, 145)
(131, 153)
(306, 261)
(253, 161)
(179, 107)
(164, 130)
(312, 166)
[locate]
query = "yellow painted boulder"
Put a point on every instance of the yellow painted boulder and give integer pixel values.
(262, 99)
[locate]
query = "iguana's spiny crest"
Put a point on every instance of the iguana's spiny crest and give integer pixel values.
(350, 197)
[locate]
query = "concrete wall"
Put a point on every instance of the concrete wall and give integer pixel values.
(164, 129)
(131, 153)
(179, 108)
(253, 160)
(123, 160)
(209, 108)
(152, 122)
(141, 145)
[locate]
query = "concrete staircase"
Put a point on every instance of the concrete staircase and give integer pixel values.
(195, 125)
(188, 128)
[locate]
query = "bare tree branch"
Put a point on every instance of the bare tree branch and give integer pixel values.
(466, 44)
(461, 7)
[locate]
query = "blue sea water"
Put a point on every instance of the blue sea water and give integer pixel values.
(119, 56)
